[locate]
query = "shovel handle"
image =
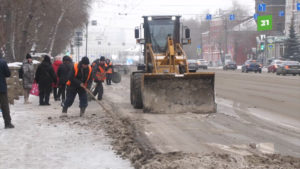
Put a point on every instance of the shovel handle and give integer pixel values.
(89, 92)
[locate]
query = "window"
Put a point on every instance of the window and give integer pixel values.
(159, 31)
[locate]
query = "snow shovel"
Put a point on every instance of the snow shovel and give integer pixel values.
(91, 94)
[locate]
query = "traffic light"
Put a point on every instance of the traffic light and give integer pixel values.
(262, 46)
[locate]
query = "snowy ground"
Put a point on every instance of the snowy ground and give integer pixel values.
(37, 143)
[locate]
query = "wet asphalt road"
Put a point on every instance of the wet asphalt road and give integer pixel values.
(260, 109)
(277, 94)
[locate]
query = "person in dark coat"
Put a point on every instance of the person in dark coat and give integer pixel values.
(28, 77)
(79, 78)
(4, 73)
(62, 74)
(45, 76)
(55, 66)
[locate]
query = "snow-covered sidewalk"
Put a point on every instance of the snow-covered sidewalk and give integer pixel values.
(37, 143)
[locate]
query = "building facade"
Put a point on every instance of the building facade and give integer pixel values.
(236, 43)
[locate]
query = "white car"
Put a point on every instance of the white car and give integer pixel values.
(202, 64)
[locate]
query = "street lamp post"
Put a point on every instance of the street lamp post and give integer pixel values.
(86, 45)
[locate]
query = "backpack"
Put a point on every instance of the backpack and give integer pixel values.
(21, 72)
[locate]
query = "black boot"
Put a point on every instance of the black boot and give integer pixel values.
(64, 112)
(82, 111)
(9, 126)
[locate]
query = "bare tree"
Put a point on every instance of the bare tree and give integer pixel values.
(197, 26)
(46, 25)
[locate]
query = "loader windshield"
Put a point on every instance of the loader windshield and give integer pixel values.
(159, 31)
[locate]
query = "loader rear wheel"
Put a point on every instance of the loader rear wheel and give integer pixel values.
(136, 91)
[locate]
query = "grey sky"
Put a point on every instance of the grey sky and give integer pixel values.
(118, 18)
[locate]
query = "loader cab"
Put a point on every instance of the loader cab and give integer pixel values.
(156, 29)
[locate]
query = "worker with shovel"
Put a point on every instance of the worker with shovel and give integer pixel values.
(79, 80)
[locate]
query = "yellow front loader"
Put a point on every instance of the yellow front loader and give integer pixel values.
(163, 84)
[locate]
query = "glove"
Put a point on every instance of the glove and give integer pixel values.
(82, 85)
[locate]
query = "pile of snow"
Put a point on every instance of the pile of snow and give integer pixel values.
(36, 62)
(15, 64)
(216, 67)
(19, 64)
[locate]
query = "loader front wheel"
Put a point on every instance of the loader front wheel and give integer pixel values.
(136, 90)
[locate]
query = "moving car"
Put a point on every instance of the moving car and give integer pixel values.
(202, 64)
(230, 65)
(251, 66)
(193, 66)
(274, 65)
(289, 67)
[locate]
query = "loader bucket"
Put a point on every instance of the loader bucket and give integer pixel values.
(169, 93)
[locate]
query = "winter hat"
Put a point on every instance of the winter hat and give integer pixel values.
(47, 59)
(67, 58)
(85, 60)
(28, 56)
(102, 58)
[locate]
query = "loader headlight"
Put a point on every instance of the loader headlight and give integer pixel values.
(149, 18)
(173, 18)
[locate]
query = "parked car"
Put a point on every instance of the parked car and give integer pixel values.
(202, 64)
(193, 66)
(289, 67)
(251, 66)
(274, 65)
(230, 65)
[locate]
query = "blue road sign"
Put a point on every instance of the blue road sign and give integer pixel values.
(129, 61)
(208, 17)
(262, 7)
(232, 17)
(271, 46)
(298, 6)
(281, 13)
(255, 16)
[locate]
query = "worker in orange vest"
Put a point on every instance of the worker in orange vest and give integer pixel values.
(99, 75)
(109, 68)
(79, 78)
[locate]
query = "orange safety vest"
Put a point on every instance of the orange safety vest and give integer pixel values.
(76, 73)
(102, 74)
(109, 69)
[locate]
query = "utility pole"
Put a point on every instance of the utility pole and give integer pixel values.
(209, 42)
(86, 45)
(225, 39)
(226, 36)
(78, 53)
